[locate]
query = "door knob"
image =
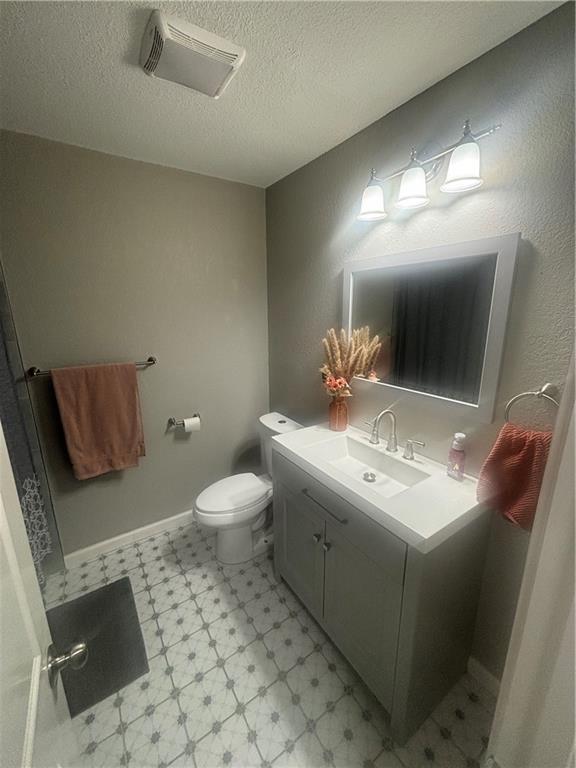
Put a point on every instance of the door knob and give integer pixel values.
(316, 538)
(75, 658)
(326, 546)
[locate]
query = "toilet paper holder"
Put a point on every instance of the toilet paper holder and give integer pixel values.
(174, 422)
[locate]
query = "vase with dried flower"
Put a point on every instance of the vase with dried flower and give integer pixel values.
(338, 390)
(347, 355)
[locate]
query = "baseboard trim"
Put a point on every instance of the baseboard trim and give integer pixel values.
(485, 678)
(79, 556)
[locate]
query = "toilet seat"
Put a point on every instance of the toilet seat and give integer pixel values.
(234, 500)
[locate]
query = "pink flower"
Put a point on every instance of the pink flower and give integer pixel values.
(336, 385)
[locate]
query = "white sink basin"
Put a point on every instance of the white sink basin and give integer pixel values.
(367, 464)
(414, 499)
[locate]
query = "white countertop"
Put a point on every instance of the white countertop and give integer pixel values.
(424, 515)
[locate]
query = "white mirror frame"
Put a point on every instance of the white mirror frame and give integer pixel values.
(505, 249)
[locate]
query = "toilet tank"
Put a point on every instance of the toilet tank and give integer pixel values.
(271, 424)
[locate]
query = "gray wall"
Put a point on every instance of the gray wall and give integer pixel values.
(109, 259)
(527, 85)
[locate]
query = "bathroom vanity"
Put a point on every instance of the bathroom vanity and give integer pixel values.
(390, 567)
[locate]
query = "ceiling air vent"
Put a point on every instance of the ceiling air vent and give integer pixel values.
(152, 61)
(183, 53)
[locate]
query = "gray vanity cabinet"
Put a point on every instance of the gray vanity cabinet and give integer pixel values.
(300, 547)
(345, 568)
(403, 619)
(362, 610)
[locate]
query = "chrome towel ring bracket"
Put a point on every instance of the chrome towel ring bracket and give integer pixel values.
(548, 392)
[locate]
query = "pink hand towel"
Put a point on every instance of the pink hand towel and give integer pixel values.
(511, 476)
(100, 411)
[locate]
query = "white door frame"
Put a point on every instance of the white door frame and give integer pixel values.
(46, 738)
(534, 719)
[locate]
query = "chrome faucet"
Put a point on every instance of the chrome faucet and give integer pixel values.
(392, 444)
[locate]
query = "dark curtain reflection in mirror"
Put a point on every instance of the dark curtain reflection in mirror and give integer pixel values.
(433, 319)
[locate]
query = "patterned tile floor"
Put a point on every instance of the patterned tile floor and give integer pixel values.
(240, 675)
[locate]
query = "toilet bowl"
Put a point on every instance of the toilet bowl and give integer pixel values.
(236, 506)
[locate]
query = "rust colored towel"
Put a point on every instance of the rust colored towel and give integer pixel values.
(100, 411)
(512, 474)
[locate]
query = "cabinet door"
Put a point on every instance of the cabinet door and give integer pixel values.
(298, 540)
(362, 604)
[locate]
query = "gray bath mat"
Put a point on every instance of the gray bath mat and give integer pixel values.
(107, 620)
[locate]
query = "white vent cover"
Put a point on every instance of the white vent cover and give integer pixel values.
(183, 53)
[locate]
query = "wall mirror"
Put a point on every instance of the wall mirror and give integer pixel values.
(441, 315)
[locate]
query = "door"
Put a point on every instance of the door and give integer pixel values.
(299, 537)
(362, 602)
(35, 727)
(535, 713)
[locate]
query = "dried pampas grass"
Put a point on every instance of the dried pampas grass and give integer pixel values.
(349, 354)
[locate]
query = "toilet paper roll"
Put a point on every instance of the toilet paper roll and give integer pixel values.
(193, 424)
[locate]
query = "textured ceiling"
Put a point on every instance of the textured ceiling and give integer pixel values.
(315, 74)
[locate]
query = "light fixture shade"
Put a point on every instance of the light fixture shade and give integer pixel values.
(464, 169)
(372, 207)
(413, 189)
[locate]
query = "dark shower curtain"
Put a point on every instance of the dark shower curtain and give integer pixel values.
(24, 450)
(439, 323)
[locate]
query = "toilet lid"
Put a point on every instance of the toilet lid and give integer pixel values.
(234, 493)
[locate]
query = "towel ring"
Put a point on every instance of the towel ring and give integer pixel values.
(548, 392)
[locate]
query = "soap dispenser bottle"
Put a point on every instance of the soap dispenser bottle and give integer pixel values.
(457, 457)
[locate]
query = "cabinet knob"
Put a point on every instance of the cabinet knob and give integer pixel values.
(326, 546)
(316, 538)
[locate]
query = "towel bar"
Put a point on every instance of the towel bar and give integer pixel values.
(34, 372)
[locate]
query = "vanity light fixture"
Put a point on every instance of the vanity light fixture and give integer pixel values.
(413, 186)
(372, 206)
(464, 166)
(463, 175)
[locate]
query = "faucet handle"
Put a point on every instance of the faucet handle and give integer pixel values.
(409, 448)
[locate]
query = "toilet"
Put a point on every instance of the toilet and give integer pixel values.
(236, 507)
